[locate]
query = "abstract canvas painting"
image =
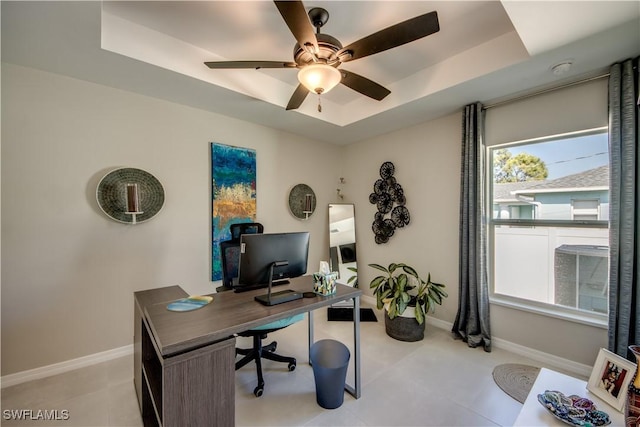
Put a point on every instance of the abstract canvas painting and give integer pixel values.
(233, 194)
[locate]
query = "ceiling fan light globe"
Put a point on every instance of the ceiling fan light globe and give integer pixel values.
(319, 78)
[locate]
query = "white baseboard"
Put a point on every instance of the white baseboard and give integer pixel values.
(438, 323)
(549, 359)
(69, 365)
(369, 300)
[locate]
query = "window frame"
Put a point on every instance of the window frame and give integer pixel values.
(573, 208)
(596, 319)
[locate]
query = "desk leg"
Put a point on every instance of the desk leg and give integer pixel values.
(310, 322)
(356, 389)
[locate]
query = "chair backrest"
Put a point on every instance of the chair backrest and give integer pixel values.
(230, 250)
(238, 230)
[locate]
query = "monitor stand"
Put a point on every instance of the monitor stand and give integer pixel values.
(278, 297)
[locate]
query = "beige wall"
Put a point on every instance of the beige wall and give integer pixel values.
(68, 272)
(427, 164)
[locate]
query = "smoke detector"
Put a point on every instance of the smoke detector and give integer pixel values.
(562, 67)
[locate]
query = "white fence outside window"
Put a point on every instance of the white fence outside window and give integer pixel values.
(553, 265)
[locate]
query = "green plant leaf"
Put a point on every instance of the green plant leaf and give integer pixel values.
(439, 292)
(392, 311)
(377, 282)
(402, 306)
(380, 296)
(405, 297)
(410, 270)
(419, 314)
(379, 267)
(422, 289)
(402, 281)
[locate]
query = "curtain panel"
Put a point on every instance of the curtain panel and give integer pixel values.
(624, 208)
(472, 320)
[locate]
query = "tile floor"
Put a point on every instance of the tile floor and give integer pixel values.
(436, 382)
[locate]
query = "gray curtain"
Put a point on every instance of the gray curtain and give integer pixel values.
(472, 319)
(624, 209)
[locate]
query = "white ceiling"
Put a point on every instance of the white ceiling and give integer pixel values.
(485, 50)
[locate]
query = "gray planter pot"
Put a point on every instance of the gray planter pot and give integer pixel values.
(403, 328)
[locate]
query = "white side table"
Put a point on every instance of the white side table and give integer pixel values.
(534, 414)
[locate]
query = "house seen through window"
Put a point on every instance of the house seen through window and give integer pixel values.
(548, 231)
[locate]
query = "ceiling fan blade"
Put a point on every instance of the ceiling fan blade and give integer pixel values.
(393, 36)
(297, 98)
(364, 85)
(296, 18)
(249, 64)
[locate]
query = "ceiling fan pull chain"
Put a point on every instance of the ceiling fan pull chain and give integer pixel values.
(319, 105)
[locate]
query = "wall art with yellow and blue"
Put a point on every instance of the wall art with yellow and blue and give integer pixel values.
(233, 194)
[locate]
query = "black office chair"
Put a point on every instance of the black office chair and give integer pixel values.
(230, 252)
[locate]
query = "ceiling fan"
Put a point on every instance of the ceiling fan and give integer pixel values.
(318, 55)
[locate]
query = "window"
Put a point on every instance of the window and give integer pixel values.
(585, 209)
(548, 230)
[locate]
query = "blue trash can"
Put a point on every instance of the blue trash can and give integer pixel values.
(330, 360)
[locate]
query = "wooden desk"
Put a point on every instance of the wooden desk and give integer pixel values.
(534, 414)
(187, 359)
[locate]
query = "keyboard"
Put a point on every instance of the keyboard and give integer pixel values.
(279, 297)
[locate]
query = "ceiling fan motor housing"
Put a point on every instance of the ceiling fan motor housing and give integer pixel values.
(328, 47)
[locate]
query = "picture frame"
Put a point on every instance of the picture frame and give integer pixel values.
(610, 378)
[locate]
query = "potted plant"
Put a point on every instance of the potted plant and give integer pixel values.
(407, 298)
(353, 280)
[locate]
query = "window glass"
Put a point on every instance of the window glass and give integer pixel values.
(586, 209)
(549, 229)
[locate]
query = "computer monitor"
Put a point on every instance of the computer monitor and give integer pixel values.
(259, 251)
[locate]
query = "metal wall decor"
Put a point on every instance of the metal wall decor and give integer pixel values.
(389, 198)
(302, 201)
(130, 195)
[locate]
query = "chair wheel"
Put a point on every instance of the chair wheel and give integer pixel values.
(275, 346)
(292, 367)
(258, 391)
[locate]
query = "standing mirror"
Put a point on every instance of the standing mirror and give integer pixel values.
(342, 243)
